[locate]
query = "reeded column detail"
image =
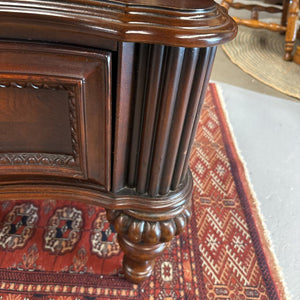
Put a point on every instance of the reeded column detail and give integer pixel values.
(168, 93)
(167, 89)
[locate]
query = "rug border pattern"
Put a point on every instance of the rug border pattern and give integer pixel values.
(266, 257)
(266, 260)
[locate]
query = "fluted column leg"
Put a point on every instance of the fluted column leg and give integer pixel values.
(166, 101)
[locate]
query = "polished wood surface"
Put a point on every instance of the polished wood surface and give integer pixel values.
(100, 104)
(148, 22)
(36, 112)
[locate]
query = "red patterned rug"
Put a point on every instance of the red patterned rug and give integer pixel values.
(67, 251)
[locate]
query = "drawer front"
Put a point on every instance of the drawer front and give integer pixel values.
(55, 112)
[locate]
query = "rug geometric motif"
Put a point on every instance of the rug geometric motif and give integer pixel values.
(71, 253)
(18, 226)
(228, 257)
(103, 237)
(63, 230)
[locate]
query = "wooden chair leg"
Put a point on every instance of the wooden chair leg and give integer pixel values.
(226, 3)
(297, 56)
(291, 29)
(285, 10)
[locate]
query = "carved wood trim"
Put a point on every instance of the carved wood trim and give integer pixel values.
(46, 159)
(40, 159)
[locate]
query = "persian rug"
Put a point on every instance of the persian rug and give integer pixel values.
(260, 54)
(68, 251)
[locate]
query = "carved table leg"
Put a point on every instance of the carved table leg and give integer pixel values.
(142, 241)
(139, 259)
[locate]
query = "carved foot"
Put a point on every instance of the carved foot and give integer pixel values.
(288, 56)
(288, 49)
(139, 259)
(142, 241)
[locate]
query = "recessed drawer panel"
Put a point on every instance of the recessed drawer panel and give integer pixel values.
(55, 112)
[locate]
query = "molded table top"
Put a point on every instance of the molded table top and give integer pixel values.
(186, 23)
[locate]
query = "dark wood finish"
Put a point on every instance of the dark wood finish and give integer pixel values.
(35, 112)
(123, 113)
(174, 23)
(57, 116)
(110, 119)
(171, 82)
(150, 108)
(193, 112)
(183, 96)
(141, 74)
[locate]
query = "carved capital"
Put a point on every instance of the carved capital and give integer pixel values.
(148, 232)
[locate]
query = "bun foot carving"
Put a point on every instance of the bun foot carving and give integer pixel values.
(148, 232)
(139, 259)
(143, 241)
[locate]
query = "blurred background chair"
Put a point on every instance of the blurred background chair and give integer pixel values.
(288, 25)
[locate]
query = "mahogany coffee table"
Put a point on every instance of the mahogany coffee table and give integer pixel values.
(99, 103)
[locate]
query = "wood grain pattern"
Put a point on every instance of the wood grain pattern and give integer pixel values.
(35, 111)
